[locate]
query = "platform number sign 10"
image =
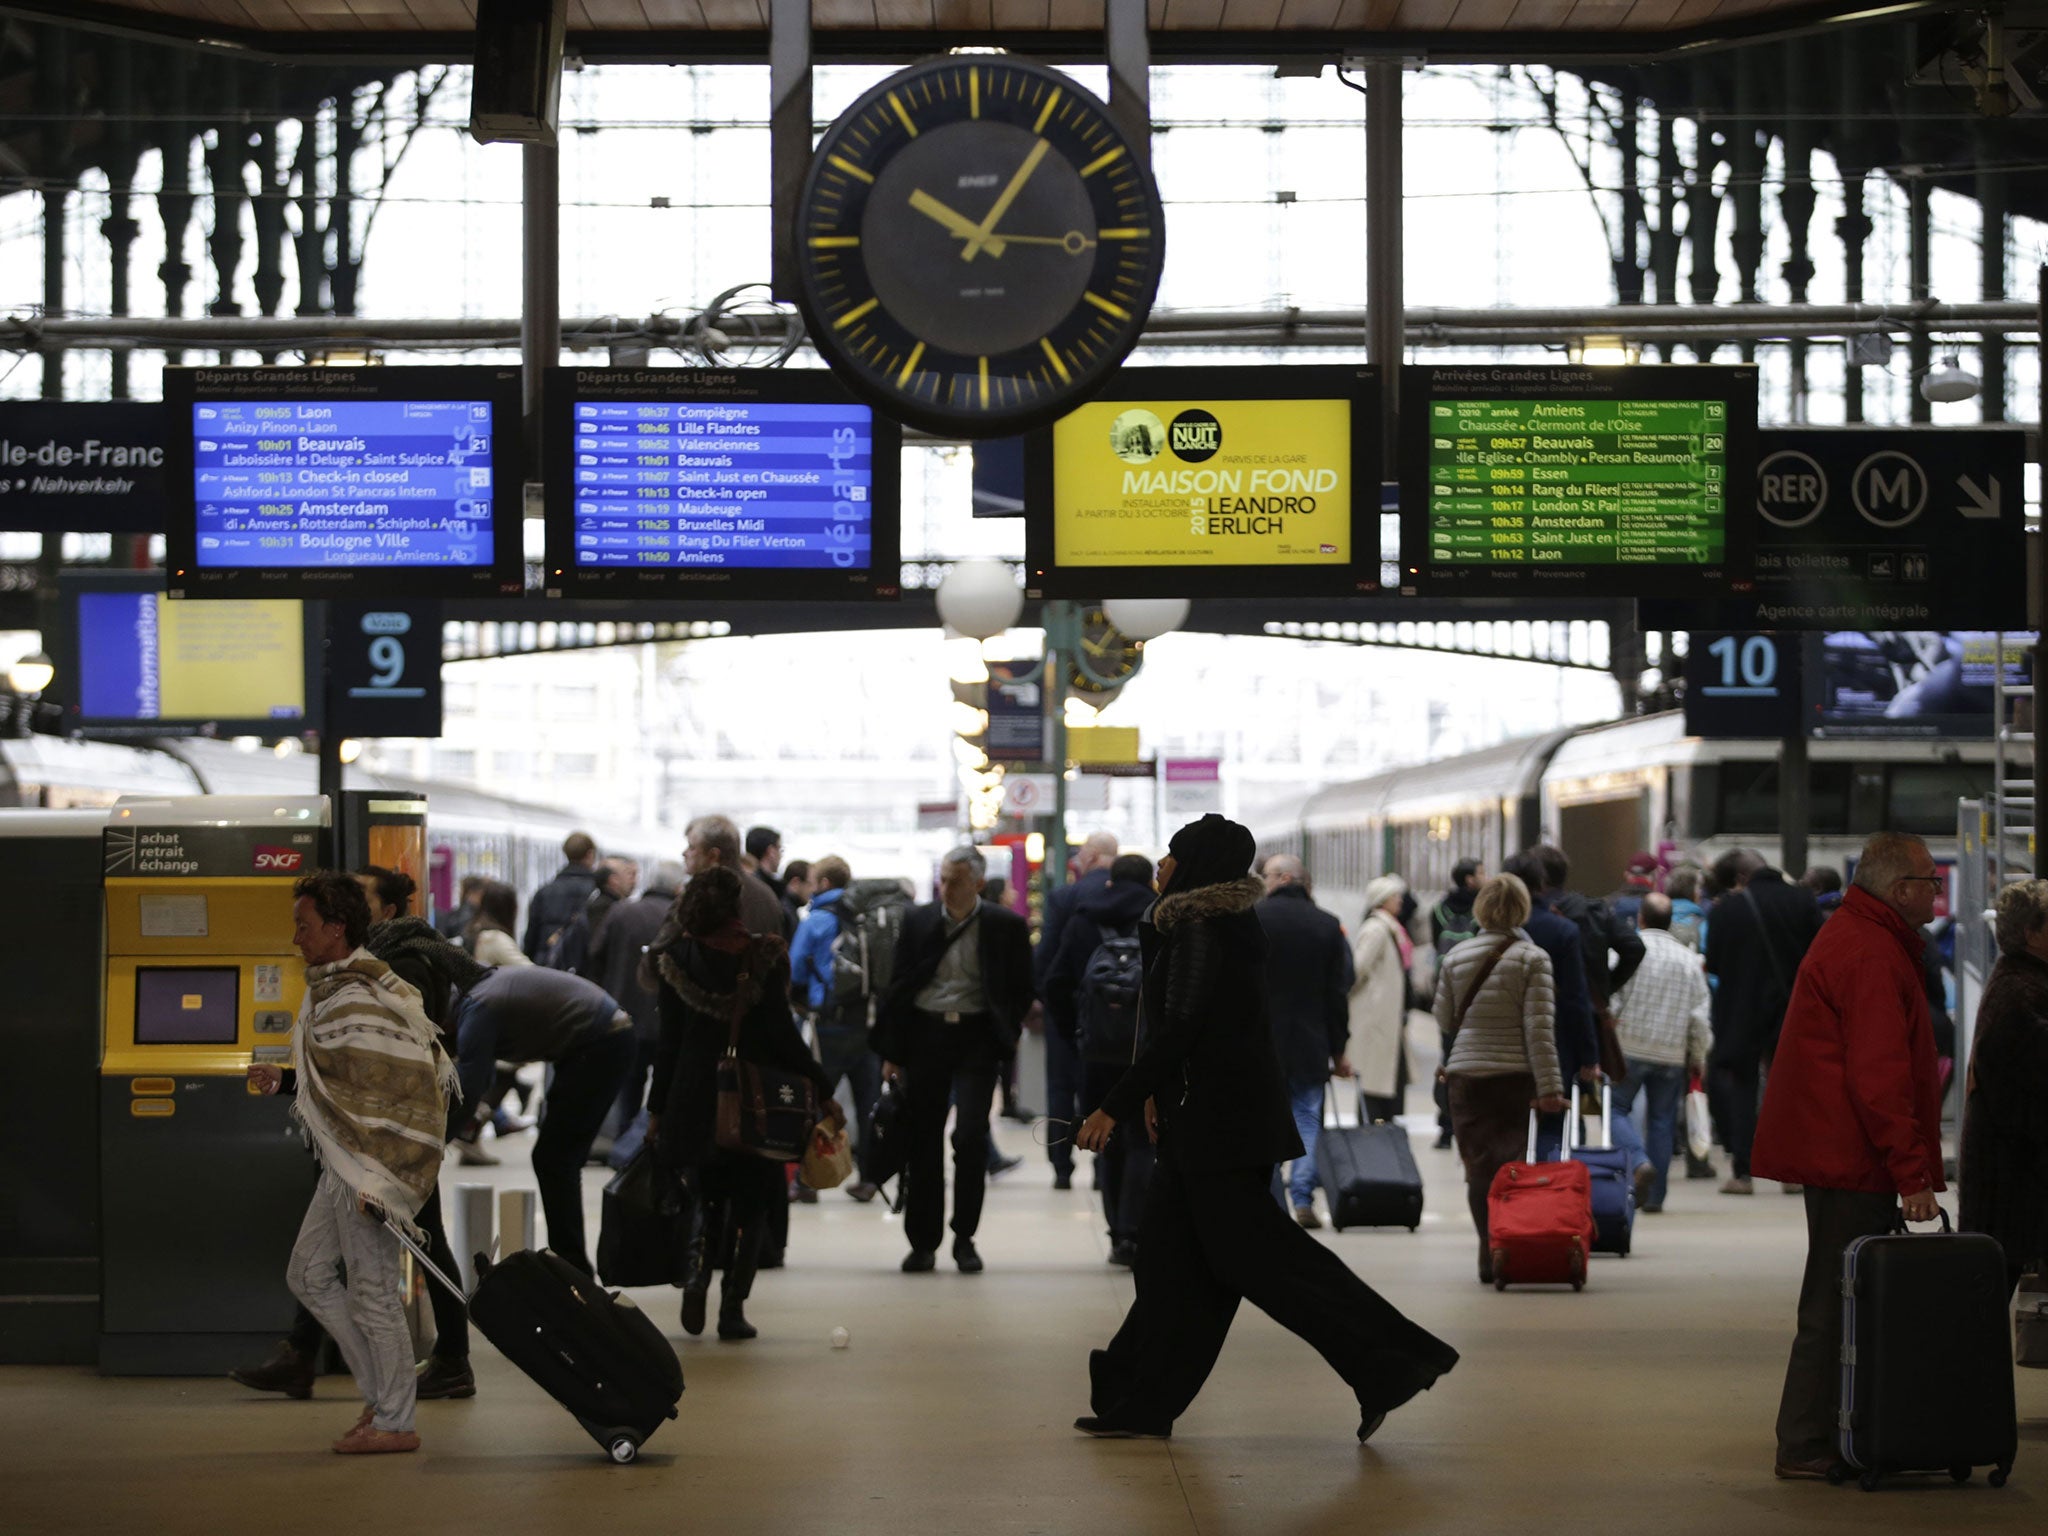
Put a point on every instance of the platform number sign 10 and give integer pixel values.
(1748, 665)
(1743, 685)
(386, 668)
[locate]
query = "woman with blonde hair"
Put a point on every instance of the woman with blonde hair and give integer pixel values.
(1496, 1001)
(1379, 999)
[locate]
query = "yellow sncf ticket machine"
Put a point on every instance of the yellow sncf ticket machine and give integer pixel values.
(203, 1183)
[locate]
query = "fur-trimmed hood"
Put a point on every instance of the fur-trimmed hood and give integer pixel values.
(759, 961)
(1207, 901)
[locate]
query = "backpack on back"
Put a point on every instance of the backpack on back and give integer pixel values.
(1107, 999)
(1453, 928)
(871, 917)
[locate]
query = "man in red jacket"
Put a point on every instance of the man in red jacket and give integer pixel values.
(1853, 1112)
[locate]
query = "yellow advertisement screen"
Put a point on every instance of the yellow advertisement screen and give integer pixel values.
(143, 658)
(233, 660)
(1200, 484)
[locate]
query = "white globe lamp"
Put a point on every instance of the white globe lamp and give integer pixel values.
(1146, 618)
(1949, 383)
(980, 598)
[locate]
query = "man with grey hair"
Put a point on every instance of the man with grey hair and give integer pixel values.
(1308, 988)
(1063, 1066)
(953, 1012)
(713, 842)
(1852, 1112)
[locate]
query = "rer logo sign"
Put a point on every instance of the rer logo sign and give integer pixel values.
(1879, 528)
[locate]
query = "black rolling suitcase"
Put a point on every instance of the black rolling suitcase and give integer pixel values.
(1368, 1174)
(1926, 1357)
(589, 1349)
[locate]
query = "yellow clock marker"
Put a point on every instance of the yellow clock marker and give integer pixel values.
(1115, 310)
(1097, 164)
(984, 383)
(901, 115)
(1123, 234)
(834, 242)
(850, 168)
(860, 309)
(1046, 116)
(974, 93)
(910, 366)
(1058, 367)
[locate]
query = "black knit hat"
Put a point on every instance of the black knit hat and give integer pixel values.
(1212, 851)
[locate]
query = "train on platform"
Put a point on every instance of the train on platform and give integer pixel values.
(468, 830)
(1604, 792)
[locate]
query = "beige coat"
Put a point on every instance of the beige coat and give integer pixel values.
(1379, 1005)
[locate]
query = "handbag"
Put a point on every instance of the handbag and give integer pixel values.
(2030, 1321)
(828, 1160)
(888, 1141)
(762, 1110)
(639, 1231)
(1699, 1118)
(1613, 1059)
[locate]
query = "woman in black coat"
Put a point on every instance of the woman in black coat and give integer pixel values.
(710, 968)
(2005, 1121)
(1208, 1083)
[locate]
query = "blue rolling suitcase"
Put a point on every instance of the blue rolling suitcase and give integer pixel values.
(1926, 1357)
(1614, 1190)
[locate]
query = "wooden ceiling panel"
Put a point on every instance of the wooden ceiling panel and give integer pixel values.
(1414, 15)
(1080, 15)
(1192, 16)
(1600, 15)
(843, 13)
(1482, 15)
(1020, 15)
(673, 13)
(1307, 15)
(900, 15)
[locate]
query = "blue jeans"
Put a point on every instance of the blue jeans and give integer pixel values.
(1307, 1104)
(1663, 1088)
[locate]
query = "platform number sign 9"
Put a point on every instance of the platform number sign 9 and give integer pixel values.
(384, 661)
(1739, 685)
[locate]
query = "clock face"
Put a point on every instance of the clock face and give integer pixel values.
(978, 244)
(1109, 658)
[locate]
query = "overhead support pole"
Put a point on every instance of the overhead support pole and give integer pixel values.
(1385, 317)
(789, 135)
(1993, 201)
(1127, 42)
(1795, 808)
(540, 310)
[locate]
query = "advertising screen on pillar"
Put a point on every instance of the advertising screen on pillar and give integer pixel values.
(1209, 482)
(1610, 482)
(758, 483)
(322, 482)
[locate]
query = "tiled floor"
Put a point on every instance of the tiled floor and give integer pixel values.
(1643, 1406)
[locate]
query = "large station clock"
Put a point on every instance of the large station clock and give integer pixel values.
(978, 243)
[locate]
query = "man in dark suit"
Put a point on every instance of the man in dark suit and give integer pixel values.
(1308, 986)
(1757, 939)
(952, 1013)
(1063, 1067)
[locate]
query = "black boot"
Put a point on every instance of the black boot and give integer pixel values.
(285, 1370)
(738, 1282)
(696, 1269)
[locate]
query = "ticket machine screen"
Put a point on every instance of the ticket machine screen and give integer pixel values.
(187, 1005)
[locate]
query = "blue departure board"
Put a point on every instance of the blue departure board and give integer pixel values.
(358, 482)
(309, 481)
(754, 485)
(770, 483)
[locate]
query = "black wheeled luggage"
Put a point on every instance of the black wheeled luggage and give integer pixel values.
(589, 1349)
(1926, 1356)
(1368, 1174)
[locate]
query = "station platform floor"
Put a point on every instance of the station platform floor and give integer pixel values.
(1643, 1405)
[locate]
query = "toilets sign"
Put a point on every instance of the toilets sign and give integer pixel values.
(1880, 527)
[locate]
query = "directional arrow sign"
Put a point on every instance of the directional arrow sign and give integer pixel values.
(1878, 528)
(1976, 502)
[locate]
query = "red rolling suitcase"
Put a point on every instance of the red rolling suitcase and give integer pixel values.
(1539, 1221)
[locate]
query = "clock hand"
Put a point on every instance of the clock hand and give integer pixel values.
(954, 221)
(982, 231)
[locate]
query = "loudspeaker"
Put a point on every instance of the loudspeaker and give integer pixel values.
(515, 96)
